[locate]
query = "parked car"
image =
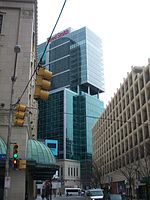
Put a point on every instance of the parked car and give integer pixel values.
(94, 194)
(115, 197)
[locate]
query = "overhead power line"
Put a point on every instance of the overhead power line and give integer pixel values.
(52, 31)
(108, 119)
(40, 61)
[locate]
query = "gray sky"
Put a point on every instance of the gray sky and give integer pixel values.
(123, 26)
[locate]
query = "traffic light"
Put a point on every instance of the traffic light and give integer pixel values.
(20, 114)
(42, 84)
(15, 156)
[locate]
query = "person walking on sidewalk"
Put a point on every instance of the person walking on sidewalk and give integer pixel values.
(43, 192)
(48, 190)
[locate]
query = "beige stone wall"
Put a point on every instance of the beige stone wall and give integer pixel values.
(71, 179)
(18, 28)
(121, 135)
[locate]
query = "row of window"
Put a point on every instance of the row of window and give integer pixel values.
(123, 113)
(131, 89)
(122, 147)
(125, 159)
(73, 171)
(133, 139)
(119, 130)
(122, 131)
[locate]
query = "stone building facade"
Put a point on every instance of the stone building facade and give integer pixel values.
(121, 135)
(18, 26)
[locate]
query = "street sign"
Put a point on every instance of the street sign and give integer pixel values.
(2, 156)
(7, 182)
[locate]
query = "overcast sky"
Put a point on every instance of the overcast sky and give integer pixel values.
(123, 26)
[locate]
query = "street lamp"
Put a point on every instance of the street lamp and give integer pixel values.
(17, 50)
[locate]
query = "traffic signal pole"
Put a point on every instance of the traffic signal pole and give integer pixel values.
(7, 167)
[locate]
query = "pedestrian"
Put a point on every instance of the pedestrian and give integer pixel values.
(26, 196)
(48, 190)
(106, 193)
(43, 192)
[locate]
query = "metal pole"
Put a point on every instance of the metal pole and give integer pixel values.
(7, 169)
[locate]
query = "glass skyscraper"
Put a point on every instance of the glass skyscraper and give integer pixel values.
(75, 58)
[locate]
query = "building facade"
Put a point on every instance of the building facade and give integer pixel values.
(70, 169)
(75, 59)
(18, 28)
(121, 135)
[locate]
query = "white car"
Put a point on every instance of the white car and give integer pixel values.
(94, 194)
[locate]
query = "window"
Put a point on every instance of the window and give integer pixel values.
(68, 171)
(74, 172)
(77, 171)
(61, 171)
(1, 19)
(71, 172)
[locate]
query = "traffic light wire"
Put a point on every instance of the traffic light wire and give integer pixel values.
(40, 61)
(108, 119)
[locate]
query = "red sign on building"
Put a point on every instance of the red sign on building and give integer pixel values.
(59, 35)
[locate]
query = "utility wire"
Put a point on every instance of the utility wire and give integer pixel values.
(40, 61)
(52, 32)
(109, 119)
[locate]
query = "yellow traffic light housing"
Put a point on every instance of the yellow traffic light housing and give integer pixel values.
(20, 114)
(42, 84)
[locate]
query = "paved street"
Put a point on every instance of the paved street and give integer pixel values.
(63, 198)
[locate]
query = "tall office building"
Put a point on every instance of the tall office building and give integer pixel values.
(75, 58)
(121, 136)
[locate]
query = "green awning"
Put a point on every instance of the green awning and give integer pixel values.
(39, 152)
(36, 152)
(2, 146)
